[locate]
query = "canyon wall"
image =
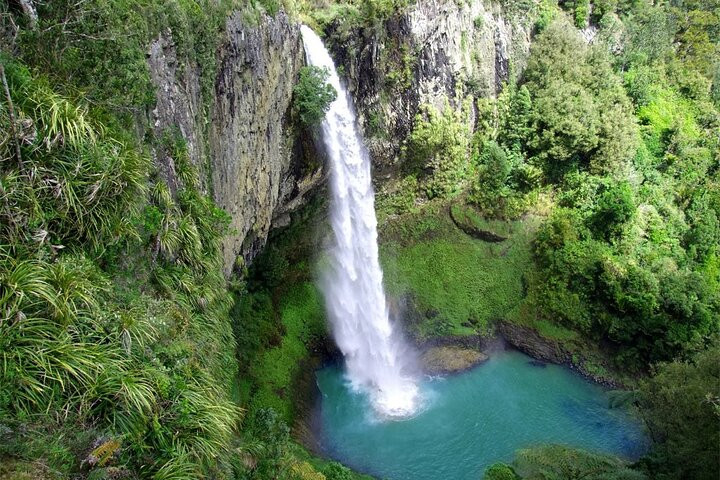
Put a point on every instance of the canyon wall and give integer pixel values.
(257, 165)
(251, 159)
(436, 51)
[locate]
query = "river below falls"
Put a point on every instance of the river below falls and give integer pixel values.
(472, 420)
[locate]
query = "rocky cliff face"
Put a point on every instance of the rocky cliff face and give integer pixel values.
(257, 175)
(251, 160)
(437, 51)
(179, 106)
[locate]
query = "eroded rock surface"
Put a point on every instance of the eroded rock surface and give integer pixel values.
(253, 170)
(250, 159)
(438, 51)
(450, 359)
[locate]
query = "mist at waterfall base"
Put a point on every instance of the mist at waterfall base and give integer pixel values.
(472, 420)
(376, 358)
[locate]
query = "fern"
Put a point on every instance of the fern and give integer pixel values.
(103, 453)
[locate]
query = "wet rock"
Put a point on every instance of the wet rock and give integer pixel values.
(254, 164)
(530, 342)
(537, 363)
(544, 350)
(450, 359)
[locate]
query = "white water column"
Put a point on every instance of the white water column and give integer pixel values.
(375, 355)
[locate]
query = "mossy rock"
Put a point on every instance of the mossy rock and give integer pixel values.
(450, 359)
(16, 469)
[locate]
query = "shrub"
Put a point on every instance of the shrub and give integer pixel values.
(337, 471)
(681, 403)
(490, 187)
(312, 95)
(555, 461)
(142, 358)
(439, 147)
(582, 11)
(500, 471)
(615, 207)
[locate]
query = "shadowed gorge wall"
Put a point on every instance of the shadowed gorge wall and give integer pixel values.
(244, 144)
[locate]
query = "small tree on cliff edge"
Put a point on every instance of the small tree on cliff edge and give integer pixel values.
(312, 95)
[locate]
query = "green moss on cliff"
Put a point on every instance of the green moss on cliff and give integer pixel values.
(275, 369)
(459, 284)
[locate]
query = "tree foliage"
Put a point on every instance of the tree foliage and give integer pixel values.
(637, 222)
(439, 147)
(551, 462)
(312, 95)
(681, 403)
(581, 115)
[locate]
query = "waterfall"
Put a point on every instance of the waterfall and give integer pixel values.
(376, 358)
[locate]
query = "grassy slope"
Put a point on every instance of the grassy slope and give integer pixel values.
(459, 284)
(303, 321)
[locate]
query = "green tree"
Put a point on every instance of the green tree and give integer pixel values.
(703, 237)
(515, 129)
(490, 188)
(272, 434)
(581, 115)
(312, 95)
(581, 13)
(681, 406)
(337, 471)
(615, 207)
(439, 147)
(500, 471)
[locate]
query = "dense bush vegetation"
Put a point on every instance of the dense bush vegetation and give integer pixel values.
(552, 462)
(82, 341)
(122, 352)
(681, 403)
(116, 333)
(624, 258)
(101, 45)
(438, 147)
(626, 148)
(312, 95)
(616, 143)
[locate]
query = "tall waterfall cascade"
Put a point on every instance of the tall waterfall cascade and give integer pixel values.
(376, 358)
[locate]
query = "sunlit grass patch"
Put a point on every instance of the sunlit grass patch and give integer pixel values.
(459, 284)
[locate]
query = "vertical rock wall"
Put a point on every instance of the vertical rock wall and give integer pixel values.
(249, 157)
(252, 161)
(251, 138)
(441, 50)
